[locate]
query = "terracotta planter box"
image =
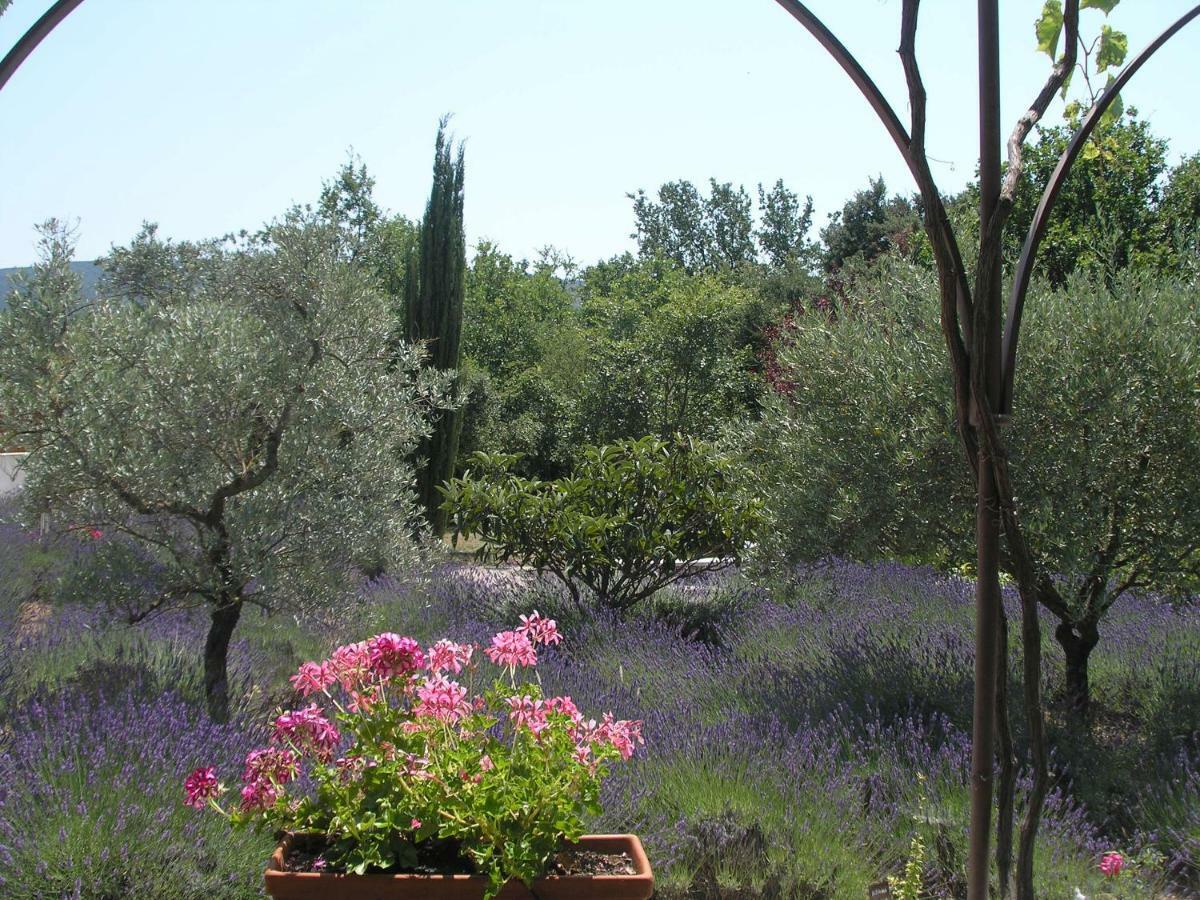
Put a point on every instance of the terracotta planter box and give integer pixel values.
(325, 886)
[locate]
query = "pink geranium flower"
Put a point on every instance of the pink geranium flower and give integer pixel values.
(442, 699)
(313, 678)
(1111, 864)
(564, 705)
(527, 712)
(201, 786)
(276, 764)
(350, 664)
(449, 656)
(391, 656)
(259, 795)
(307, 727)
(539, 629)
(511, 648)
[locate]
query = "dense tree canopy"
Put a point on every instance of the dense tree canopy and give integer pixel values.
(860, 459)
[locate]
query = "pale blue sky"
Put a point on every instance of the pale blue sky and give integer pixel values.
(214, 115)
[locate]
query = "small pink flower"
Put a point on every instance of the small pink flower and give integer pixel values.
(319, 864)
(622, 735)
(350, 665)
(200, 786)
(313, 678)
(259, 795)
(365, 700)
(539, 629)
(441, 699)
(566, 706)
(486, 764)
(528, 712)
(416, 823)
(416, 767)
(390, 655)
(1111, 864)
(307, 727)
(278, 765)
(95, 534)
(511, 648)
(447, 655)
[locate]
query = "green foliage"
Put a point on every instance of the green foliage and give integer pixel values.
(1107, 217)
(1179, 214)
(784, 226)
(1113, 45)
(1049, 28)
(717, 233)
(862, 460)
(908, 886)
(512, 310)
(624, 525)
(434, 286)
(232, 423)
(665, 352)
(869, 224)
(522, 348)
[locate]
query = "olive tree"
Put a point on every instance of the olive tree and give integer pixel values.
(859, 458)
(232, 415)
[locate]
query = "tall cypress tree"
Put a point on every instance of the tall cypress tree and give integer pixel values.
(433, 300)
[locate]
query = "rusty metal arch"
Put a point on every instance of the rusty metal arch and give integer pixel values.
(42, 27)
(1037, 229)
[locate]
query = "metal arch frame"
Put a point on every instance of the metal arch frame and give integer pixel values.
(29, 41)
(1037, 229)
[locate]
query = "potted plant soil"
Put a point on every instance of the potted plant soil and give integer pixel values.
(435, 772)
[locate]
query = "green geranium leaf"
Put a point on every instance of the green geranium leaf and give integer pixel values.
(1049, 27)
(1113, 47)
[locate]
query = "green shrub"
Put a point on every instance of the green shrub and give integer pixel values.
(620, 526)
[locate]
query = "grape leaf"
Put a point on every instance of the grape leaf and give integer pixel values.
(1113, 47)
(1049, 27)
(1116, 109)
(1105, 5)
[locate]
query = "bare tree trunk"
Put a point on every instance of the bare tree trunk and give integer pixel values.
(216, 653)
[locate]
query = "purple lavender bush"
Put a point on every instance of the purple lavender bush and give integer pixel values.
(90, 797)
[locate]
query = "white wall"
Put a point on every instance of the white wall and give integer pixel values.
(10, 479)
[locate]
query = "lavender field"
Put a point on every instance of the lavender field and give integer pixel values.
(791, 732)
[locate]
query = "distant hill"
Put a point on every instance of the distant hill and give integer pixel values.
(88, 272)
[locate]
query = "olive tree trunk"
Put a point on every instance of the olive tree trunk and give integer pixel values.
(216, 654)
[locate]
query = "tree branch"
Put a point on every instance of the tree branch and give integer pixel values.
(956, 306)
(1037, 109)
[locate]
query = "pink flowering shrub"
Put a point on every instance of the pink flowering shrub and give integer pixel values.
(404, 745)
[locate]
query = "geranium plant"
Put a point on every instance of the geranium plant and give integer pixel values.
(403, 749)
